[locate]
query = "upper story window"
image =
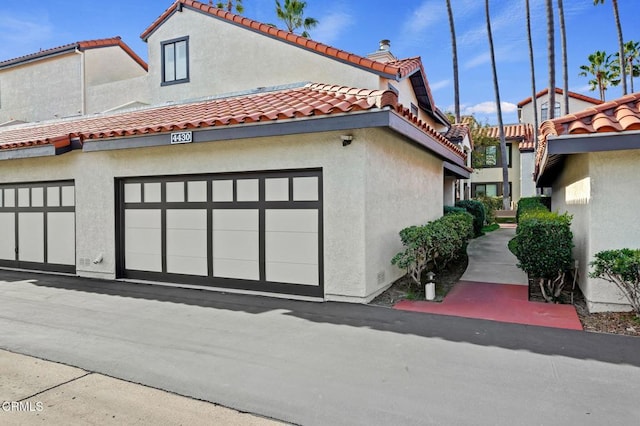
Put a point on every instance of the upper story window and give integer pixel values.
(414, 109)
(544, 111)
(490, 155)
(175, 61)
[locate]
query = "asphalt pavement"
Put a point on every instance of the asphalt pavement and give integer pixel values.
(320, 363)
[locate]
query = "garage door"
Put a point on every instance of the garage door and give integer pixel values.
(37, 226)
(255, 231)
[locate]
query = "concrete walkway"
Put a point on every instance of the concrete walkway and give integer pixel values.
(494, 288)
(34, 391)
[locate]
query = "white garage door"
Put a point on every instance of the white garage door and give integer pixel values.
(37, 226)
(256, 231)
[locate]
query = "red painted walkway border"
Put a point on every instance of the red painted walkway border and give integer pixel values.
(497, 302)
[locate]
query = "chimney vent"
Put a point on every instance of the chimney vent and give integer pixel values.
(385, 45)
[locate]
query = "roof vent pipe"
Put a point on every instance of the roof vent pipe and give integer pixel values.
(385, 45)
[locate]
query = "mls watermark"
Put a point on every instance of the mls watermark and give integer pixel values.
(21, 406)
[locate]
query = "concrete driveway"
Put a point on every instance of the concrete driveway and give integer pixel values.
(322, 363)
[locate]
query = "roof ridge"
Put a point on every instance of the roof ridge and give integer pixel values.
(289, 37)
(82, 45)
(560, 91)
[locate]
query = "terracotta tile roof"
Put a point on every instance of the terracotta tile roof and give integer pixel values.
(394, 70)
(522, 132)
(620, 115)
(457, 132)
(560, 92)
(80, 45)
(308, 101)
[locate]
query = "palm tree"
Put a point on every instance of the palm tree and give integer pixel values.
(503, 143)
(230, 6)
(631, 54)
(565, 72)
(600, 68)
(533, 78)
(454, 48)
(552, 60)
(616, 15)
(292, 14)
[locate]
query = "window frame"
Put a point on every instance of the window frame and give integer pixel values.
(498, 157)
(544, 111)
(174, 42)
(474, 188)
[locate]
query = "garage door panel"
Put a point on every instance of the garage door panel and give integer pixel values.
(8, 239)
(187, 242)
(238, 269)
(143, 239)
(61, 238)
(31, 237)
(236, 242)
(293, 273)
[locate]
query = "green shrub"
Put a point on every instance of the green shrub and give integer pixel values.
(433, 244)
(532, 203)
(491, 204)
(476, 209)
(543, 245)
(621, 267)
(453, 209)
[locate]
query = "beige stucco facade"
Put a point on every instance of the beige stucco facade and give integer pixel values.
(575, 105)
(372, 188)
(494, 174)
(598, 190)
(71, 83)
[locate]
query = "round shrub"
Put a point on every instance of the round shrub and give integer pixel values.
(476, 209)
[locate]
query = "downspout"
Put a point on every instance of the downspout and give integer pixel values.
(83, 85)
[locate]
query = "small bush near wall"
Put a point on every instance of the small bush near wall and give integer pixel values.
(543, 245)
(621, 267)
(434, 244)
(491, 204)
(453, 209)
(476, 209)
(532, 203)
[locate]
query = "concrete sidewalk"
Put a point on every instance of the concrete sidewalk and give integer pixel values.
(33, 391)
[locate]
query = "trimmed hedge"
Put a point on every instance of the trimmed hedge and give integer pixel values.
(543, 245)
(491, 204)
(476, 209)
(532, 203)
(453, 209)
(433, 244)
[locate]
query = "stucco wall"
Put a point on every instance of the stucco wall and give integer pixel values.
(404, 187)
(614, 218)
(572, 193)
(108, 64)
(225, 58)
(106, 96)
(42, 90)
(343, 180)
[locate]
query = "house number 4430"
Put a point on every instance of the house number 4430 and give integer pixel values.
(181, 137)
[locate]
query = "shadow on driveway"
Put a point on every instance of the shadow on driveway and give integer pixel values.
(547, 341)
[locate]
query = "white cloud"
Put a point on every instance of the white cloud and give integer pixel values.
(331, 27)
(426, 15)
(481, 59)
(28, 34)
(438, 85)
(489, 107)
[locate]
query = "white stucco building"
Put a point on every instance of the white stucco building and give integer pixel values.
(235, 179)
(590, 158)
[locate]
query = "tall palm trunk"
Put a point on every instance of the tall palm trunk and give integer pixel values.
(620, 47)
(454, 48)
(565, 72)
(551, 60)
(503, 143)
(533, 78)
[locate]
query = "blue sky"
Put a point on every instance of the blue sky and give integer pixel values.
(415, 28)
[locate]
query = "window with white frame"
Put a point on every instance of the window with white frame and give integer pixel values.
(544, 111)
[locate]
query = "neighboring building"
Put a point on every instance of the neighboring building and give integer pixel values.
(487, 179)
(299, 189)
(71, 80)
(577, 102)
(459, 134)
(590, 159)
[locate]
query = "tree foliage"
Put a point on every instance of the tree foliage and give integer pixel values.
(600, 67)
(434, 244)
(292, 14)
(230, 6)
(543, 246)
(622, 268)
